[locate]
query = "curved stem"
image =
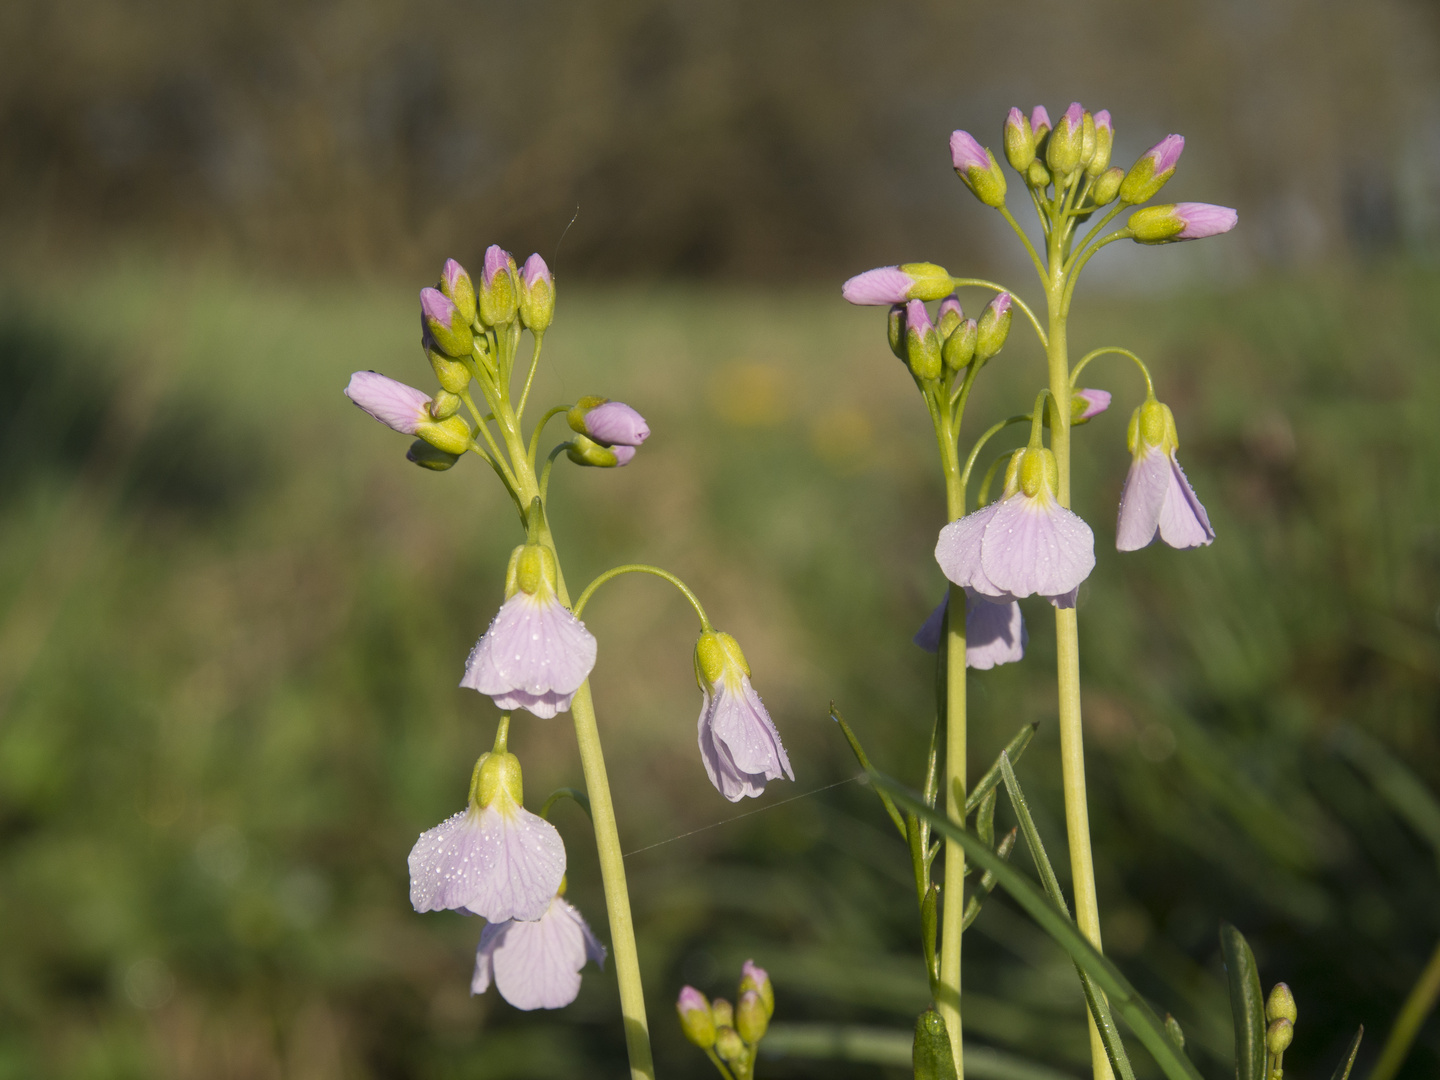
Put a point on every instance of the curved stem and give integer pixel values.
(982, 497)
(643, 568)
(581, 799)
(979, 283)
(1029, 247)
(1038, 198)
(499, 458)
(1094, 233)
(530, 377)
(544, 484)
(1407, 1024)
(1079, 264)
(540, 427)
(990, 432)
(1093, 353)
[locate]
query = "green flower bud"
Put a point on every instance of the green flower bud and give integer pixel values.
(1087, 140)
(444, 405)
(1037, 175)
(729, 1045)
(1107, 186)
(950, 317)
(1019, 141)
(757, 979)
(696, 1020)
(499, 291)
(994, 327)
(1062, 152)
(1278, 1036)
(455, 283)
(1104, 143)
(977, 167)
(895, 330)
(927, 281)
(922, 343)
(1281, 1004)
(537, 295)
(586, 451)
(451, 435)
(723, 1012)
(444, 324)
(1148, 175)
(428, 457)
(1155, 224)
(751, 1019)
(959, 348)
(452, 374)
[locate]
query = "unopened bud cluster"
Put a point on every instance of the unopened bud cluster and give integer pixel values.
(732, 1033)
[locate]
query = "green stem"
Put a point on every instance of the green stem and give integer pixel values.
(530, 377)
(1079, 264)
(992, 431)
(1067, 644)
(1407, 1024)
(643, 568)
(1093, 353)
(540, 427)
(1094, 234)
(549, 466)
(1034, 258)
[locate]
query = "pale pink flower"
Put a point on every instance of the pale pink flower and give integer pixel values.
(536, 964)
(536, 653)
(966, 153)
(739, 746)
(394, 404)
(1157, 499)
(883, 285)
(494, 858)
(1023, 544)
(1039, 120)
(1204, 219)
(1165, 154)
(1094, 402)
(994, 630)
(613, 423)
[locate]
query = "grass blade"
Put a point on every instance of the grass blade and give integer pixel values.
(859, 752)
(1342, 1071)
(992, 777)
(886, 1046)
(1124, 998)
(1247, 1004)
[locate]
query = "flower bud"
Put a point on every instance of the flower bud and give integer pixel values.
(455, 283)
(1107, 186)
(1104, 143)
(1281, 1004)
(930, 282)
(1019, 141)
(451, 435)
(497, 774)
(696, 1019)
(897, 284)
(1087, 404)
(1037, 176)
(1087, 139)
(1035, 470)
(537, 295)
(751, 1019)
(758, 979)
(1278, 1036)
(895, 330)
(444, 323)
(444, 405)
(922, 344)
(499, 294)
(723, 1012)
(1039, 123)
(609, 423)
(582, 451)
(729, 1044)
(1152, 424)
(1180, 221)
(1062, 152)
(950, 317)
(1148, 175)
(977, 167)
(959, 347)
(994, 326)
(452, 374)
(428, 457)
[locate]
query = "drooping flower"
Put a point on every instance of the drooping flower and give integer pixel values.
(897, 284)
(536, 964)
(494, 858)
(994, 630)
(1157, 500)
(536, 653)
(609, 423)
(739, 745)
(1180, 221)
(407, 410)
(1022, 544)
(1151, 170)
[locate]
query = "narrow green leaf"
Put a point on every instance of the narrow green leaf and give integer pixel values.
(1342, 1071)
(992, 776)
(859, 752)
(987, 883)
(931, 1055)
(1124, 998)
(1247, 1004)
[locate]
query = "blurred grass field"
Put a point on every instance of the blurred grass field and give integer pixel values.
(232, 618)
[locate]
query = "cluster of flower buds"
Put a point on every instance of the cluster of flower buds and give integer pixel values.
(1280, 1017)
(1077, 149)
(731, 1033)
(938, 349)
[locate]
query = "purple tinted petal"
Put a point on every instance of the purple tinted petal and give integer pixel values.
(917, 318)
(616, 423)
(883, 285)
(437, 306)
(958, 551)
(535, 648)
(490, 937)
(740, 724)
(1141, 499)
(1182, 521)
(1166, 153)
(1039, 118)
(729, 779)
(1035, 545)
(1096, 402)
(966, 152)
(994, 633)
(928, 636)
(496, 260)
(1204, 219)
(543, 705)
(392, 403)
(1102, 121)
(537, 964)
(490, 863)
(1074, 115)
(535, 270)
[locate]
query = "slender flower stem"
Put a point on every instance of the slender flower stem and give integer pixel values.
(990, 433)
(980, 283)
(540, 427)
(643, 568)
(530, 377)
(1029, 247)
(1067, 643)
(1104, 351)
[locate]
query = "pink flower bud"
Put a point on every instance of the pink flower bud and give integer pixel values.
(977, 168)
(445, 324)
(537, 295)
(455, 283)
(883, 285)
(499, 291)
(1149, 173)
(1039, 120)
(1019, 141)
(1165, 154)
(394, 404)
(1204, 219)
(1088, 403)
(967, 153)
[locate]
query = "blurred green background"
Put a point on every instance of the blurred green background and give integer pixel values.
(232, 617)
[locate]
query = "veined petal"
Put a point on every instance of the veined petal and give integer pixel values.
(1035, 545)
(994, 632)
(740, 723)
(534, 656)
(958, 551)
(500, 864)
(537, 964)
(1144, 494)
(490, 938)
(1182, 521)
(394, 404)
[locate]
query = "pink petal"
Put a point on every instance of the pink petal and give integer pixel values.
(1182, 521)
(1035, 545)
(537, 964)
(1141, 499)
(741, 724)
(994, 633)
(615, 422)
(883, 285)
(490, 938)
(966, 152)
(534, 656)
(392, 403)
(958, 551)
(496, 864)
